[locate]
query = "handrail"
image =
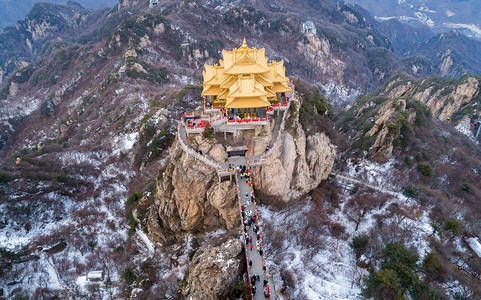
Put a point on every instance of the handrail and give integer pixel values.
(244, 233)
(260, 238)
(351, 180)
(189, 150)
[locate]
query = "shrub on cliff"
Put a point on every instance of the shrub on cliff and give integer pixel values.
(453, 225)
(359, 244)
(133, 199)
(425, 169)
(129, 275)
(316, 112)
(5, 178)
(410, 191)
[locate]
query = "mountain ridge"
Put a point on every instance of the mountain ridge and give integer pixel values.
(13, 11)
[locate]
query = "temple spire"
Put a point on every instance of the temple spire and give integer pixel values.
(244, 43)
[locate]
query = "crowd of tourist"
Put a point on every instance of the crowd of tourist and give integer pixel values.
(251, 228)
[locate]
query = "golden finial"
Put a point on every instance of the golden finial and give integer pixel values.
(244, 43)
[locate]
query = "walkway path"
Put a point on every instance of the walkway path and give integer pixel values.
(258, 266)
(348, 179)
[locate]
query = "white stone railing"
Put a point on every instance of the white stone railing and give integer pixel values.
(188, 149)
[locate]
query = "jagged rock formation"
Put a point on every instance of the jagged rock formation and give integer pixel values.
(210, 147)
(386, 129)
(214, 271)
(46, 21)
(190, 199)
(444, 100)
(445, 104)
(318, 52)
(298, 165)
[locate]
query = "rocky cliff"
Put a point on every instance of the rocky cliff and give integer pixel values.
(451, 99)
(190, 198)
(46, 22)
(387, 125)
(297, 166)
(215, 271)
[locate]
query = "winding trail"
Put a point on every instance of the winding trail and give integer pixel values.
(348, 179)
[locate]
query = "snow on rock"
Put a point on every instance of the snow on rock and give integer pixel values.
(464, 126)
(147, 242)
(475, 245)
(53, 275)
(77, 157)
(340, 94)
(372, 172)
(75, 103)
(22, 106)
(124, 143)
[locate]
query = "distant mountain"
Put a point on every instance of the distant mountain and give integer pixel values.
(405, 38)
(12, 11)
(440, 15)
(351, 53)
(450, 53)
(347, 56)
(453, 53)
(46, 22)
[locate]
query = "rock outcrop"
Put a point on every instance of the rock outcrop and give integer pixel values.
(444, 100)
(297, 166)
(386, 128)
(445, 104)
(215, 271)
(218, 153)
(190, 198)
(317, 52)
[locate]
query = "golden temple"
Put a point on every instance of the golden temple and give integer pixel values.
(244, 80)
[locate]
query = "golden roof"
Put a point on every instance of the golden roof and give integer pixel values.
(213, 75)
(244, 78)
(245, 60)
(277, 71)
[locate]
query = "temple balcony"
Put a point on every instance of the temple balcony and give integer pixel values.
(212, 109)
(280, 107)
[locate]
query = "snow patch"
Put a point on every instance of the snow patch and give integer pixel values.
(475, 245)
